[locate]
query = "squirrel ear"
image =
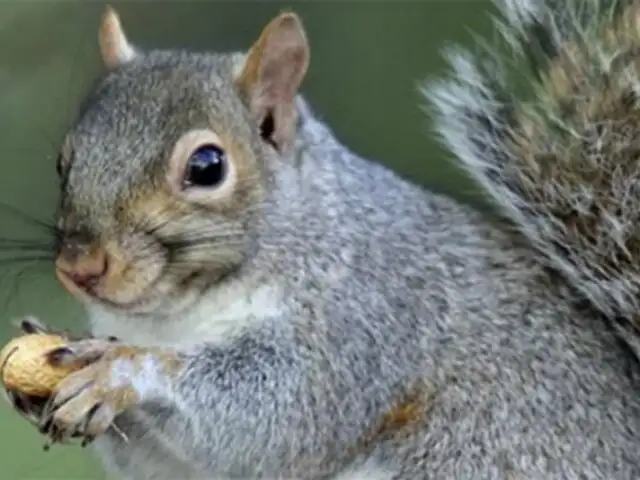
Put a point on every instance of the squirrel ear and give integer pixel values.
(114, 46)
(271, 75)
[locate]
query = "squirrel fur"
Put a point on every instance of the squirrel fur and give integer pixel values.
(317, 316)
(560, 161)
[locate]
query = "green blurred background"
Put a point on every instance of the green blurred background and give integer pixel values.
(367, 59)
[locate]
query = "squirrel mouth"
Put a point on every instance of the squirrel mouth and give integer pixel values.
(146, 303)
(91, 293)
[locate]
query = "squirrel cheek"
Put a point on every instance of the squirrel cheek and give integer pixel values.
(108, 272)
(128, 282)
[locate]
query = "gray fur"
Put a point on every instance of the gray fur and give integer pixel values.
(560, 160)
(380, 289)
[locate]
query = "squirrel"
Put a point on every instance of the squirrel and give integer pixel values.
(265, 303)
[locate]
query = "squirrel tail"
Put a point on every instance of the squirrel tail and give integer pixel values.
(550, 130)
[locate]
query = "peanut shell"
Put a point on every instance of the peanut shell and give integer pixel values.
(25, 367)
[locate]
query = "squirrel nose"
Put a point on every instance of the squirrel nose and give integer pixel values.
(84, 266)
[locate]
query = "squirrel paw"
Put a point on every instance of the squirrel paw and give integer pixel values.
(87, 402)
(86, 349)
(30, 408)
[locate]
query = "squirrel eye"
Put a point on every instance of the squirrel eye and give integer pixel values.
(206, 167)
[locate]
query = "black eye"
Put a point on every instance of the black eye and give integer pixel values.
(207, 167)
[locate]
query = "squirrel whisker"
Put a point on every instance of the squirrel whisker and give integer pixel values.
(25, 245)
(27, 258)
(27, 217)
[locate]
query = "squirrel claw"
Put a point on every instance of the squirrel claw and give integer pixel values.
(56, 436)
(87, 440)
(60, 356)
(84, 404)
(85, 352)
(37, 413)
(29, 408)
(31, 324)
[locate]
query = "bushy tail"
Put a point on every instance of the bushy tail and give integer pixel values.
(551, 131)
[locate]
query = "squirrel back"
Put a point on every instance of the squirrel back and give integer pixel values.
(561, 158)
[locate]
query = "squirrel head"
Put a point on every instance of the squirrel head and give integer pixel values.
(164, 172)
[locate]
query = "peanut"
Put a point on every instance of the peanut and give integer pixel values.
(25, 368)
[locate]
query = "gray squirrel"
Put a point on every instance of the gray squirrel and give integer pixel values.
(266, 304)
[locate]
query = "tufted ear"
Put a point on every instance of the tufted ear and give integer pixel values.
(271, 75)
(114, 46)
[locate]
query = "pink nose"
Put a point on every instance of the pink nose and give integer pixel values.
(82, 269)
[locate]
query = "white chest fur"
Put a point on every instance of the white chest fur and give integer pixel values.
(216, 317)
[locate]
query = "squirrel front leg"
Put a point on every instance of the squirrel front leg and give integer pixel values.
(264, 404)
